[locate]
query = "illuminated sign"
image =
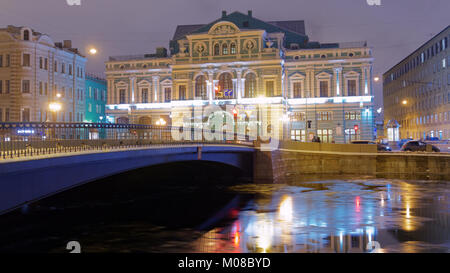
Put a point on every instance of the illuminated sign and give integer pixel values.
(25, 131)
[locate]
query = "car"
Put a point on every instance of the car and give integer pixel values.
(418, 146)
(380, 146)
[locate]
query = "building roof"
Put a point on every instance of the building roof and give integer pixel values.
(415, 51)
(294, 30)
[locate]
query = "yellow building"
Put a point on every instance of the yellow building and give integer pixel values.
(312, 89)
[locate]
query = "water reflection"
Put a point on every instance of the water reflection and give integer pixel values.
(346, 216)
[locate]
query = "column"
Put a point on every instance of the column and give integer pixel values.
(238, 85)
(337, 71)
(155, 88)
(109, 92)
(210, 86)
(131, 95)
(365, 89)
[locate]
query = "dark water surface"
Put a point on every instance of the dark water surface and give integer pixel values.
(179, 209)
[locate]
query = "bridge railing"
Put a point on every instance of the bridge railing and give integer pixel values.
(27, 139)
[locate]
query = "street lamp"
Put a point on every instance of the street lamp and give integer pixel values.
(404, 102)
(376, 79)
(93, 51)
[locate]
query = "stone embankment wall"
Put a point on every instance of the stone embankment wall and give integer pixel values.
(294, 159)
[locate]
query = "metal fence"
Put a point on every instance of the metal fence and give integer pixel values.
(25, 139)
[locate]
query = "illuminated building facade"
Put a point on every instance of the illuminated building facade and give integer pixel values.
(36, 73)
(312, 89)
(416, 92)
(95, 99)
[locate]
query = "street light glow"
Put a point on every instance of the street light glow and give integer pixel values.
(404, 102)
(55, 106)
(93, 51)
(161, 122)
(376, 79)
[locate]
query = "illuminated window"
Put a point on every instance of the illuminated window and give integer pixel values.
(298, 135)
(270, 88)
(324, 116)
(250, 85)
(233, 48)
(200, 87)
(225, 86)
(225, 49)
(325, 135)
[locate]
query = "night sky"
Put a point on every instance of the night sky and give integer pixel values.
(122, 27)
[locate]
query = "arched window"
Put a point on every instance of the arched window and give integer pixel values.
(216, 49)
(250, 85)
(225, 86)
(233, 48)
(200, 87)
(26, 35)
(225, 49)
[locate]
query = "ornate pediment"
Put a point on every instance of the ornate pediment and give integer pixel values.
(223, 28)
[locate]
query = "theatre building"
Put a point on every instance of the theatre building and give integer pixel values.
(311, 88)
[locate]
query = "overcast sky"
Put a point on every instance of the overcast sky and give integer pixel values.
(121, 27)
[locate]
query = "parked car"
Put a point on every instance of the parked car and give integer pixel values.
(418, 146)
(401, 142)
(380, 146)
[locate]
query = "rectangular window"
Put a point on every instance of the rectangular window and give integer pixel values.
(351, 87)
(8, 60)
(41, 63)
(26, 114)
(63, 68)
(41, 89)
(90, 107)
(298, 116)
(46, 64)
(122, 96)
(298, 135)
(182, 92)
(353, 115)
(25, 86)
(1, 60)
(269, 89)
(324, 116)
(7, 114)
(56, 66)
(144, 95)
(297, 86)
(1, 114)
(325, 135)
(323, 86)
(167, 94)
(70, 69)
(26, 60)
(1, 86)
(46, 89)
(7, 86)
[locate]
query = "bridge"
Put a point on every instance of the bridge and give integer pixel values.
(38, 160)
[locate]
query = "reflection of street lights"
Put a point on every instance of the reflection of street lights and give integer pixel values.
(55, 107)
(161, 122)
